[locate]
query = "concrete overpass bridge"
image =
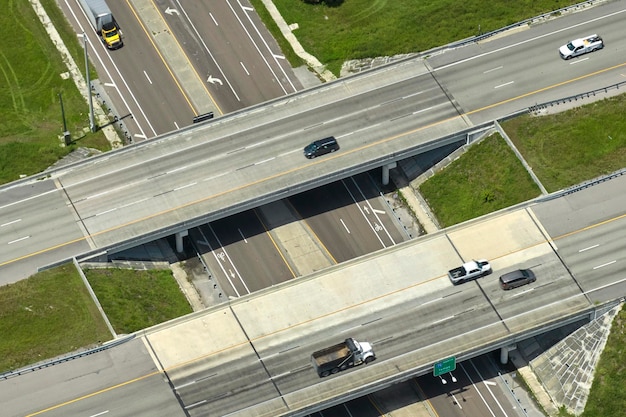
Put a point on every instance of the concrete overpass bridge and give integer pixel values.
(250, 357)
(239, 161)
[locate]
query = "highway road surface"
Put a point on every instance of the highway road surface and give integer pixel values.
(294, 237)
(182, 59)
(251, 357)
(220, 159)
(254, 157)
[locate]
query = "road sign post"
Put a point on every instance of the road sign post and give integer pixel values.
(444, 366)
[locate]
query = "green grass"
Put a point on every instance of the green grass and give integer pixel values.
(69, 36)
(135, 300)
(568, 148)
(30, 84)
(270, 24)
(47, 315)
(355, 29)
(488, 177)
(608, 396)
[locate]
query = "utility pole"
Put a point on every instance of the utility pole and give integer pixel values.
(92, 123)
(66, 135)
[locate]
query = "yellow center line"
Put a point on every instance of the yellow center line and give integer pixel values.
(308, 321)
(299, 168)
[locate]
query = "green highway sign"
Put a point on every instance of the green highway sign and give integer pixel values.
(444, 366)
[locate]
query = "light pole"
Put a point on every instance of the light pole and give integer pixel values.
(66, 135)
(92, 123)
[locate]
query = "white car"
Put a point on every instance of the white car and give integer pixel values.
(581, 46)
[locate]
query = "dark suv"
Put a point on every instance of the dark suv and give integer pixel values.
(321, 147)
(517, 278)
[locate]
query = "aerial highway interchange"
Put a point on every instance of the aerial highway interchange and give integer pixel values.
(470, 101)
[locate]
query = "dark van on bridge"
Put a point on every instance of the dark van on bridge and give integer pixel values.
(517, 278)
(321, 147)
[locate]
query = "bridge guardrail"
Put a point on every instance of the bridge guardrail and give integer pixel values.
(68, 358)
(576, 97)
(541, 17)
(575, 188)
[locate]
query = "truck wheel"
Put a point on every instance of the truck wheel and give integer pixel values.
(369, 359)
(335, 370)
(343, 367)
(325, 373)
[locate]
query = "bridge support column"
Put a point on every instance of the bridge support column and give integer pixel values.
(386, 169)
(179, 240)
(504, 353)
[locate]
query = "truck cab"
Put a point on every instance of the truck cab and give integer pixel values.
(111, 35)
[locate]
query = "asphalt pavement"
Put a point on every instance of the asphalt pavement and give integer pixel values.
(560, 374)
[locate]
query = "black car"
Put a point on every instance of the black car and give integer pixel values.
(321, 147)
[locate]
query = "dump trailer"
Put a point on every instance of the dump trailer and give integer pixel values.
(342, 356)
(103, 22)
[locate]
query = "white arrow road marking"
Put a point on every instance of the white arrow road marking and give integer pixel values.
(214, 80)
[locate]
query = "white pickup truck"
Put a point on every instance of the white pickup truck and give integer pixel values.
(581, 46)
(469, 271)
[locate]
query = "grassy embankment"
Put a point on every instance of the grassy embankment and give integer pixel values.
(135, 300)
(47, 315)
(51, 313)
(563, 149)
(358, 29)
(31, 70)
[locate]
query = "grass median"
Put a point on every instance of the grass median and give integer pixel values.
(563, 149)
(487, 178)
(574, 146)
(135, 300)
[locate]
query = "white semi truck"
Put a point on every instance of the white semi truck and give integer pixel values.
(103, 22)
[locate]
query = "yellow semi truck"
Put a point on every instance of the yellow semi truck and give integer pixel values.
(103, 22)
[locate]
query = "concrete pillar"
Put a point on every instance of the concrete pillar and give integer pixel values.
(386, 169)
(179, 240)
(504, 353)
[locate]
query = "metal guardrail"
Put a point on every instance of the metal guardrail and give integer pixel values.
(575, 188)
(68, 358)
(576, 97)
(541, 17)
